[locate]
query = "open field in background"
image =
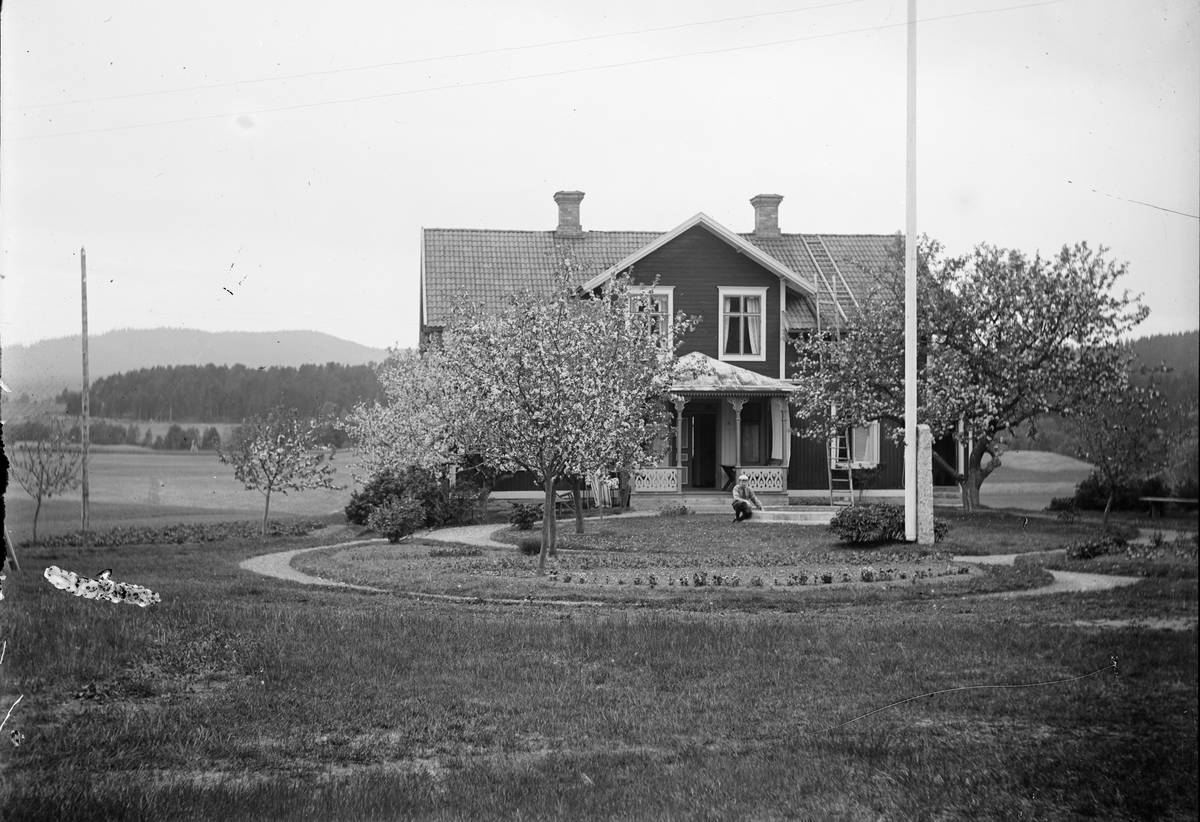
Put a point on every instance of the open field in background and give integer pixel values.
(129, 486)
(240, 697)
(1028, 480)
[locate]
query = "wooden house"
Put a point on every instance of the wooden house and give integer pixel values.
(751, 291)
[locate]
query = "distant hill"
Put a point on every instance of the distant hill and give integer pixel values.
(1178, 351)
(42, 370)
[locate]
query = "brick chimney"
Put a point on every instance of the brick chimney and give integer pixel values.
(568, 213)
(766, 214)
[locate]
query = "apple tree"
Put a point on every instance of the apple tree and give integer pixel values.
(1003, 338)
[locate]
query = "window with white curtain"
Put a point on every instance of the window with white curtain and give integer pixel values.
(743, 324)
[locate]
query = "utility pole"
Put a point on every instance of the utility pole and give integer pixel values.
(87, 539)
(910, 290)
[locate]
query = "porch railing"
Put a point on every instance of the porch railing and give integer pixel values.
(656, 481)
(766, 478)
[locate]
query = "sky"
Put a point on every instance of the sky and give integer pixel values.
(270, 165)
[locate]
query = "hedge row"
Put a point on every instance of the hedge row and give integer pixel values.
(182, 533)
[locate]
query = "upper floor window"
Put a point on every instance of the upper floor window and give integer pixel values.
(743, 323)
(655, 302)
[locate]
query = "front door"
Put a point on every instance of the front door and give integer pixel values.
(700, 448)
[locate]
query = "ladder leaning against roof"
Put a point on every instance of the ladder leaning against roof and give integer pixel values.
(838, 470)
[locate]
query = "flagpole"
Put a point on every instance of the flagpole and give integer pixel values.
(85, 410)
(910, 289)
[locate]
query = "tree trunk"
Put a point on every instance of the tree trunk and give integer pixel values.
(36, 511)
(977, 472)
(548, 524)
(578, 500)
(266, 513)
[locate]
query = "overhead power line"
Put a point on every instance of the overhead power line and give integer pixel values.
(502, 80)
(436, 58)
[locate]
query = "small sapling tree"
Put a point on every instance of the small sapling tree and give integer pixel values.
(46, 466)
(278, 452)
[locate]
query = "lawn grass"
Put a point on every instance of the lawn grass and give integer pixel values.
(239, 697)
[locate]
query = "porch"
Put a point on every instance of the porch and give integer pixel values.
(728, 422)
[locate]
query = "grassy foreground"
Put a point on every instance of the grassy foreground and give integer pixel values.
(239, 697)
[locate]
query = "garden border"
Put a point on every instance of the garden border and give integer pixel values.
(279, 565)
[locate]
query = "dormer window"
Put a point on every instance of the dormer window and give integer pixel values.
(655, 302)
(743, 324)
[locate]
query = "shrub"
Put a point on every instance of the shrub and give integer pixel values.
(868, 574)
(456, 551)
(680, 510)
(396, 518)
(941, 529)
(1109, 541)
(381, 488)
(441, 503)
(877, 522)
(524, 515)
(530, 546)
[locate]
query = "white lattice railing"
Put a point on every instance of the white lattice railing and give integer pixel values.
(766, 478)
(656, 480)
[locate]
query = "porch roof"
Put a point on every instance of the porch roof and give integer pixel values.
(711, 377)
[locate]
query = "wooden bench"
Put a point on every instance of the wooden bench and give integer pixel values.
(1158, 505)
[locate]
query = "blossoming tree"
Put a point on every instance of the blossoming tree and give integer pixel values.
(413, 426)
(278, 452)
(1003, 338)
(559, 384)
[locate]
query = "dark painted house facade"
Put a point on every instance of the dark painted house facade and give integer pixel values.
(752, 292)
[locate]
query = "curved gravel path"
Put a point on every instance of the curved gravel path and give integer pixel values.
(1064, 581)
(279, 565)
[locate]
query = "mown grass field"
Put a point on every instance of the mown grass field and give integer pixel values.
(242, 697)
(127, 486)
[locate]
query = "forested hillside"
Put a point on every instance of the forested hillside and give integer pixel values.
(211, 393)
(42, 370)
(1179, 384)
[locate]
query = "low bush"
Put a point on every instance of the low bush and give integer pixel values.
(397, 518)
(868, 523)
(181, 533)
(530, 546)
(941, 529)
(524, 515)
(679, 510)
(456, 551)
(1111, 540)
(877, 522)
(441, 502)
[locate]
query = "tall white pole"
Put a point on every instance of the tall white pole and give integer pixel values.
(910, 290)
(85, 410)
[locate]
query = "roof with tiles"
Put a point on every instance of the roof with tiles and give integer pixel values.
(486, 265)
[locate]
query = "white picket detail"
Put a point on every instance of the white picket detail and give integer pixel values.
(765, 478)
(656, 480)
